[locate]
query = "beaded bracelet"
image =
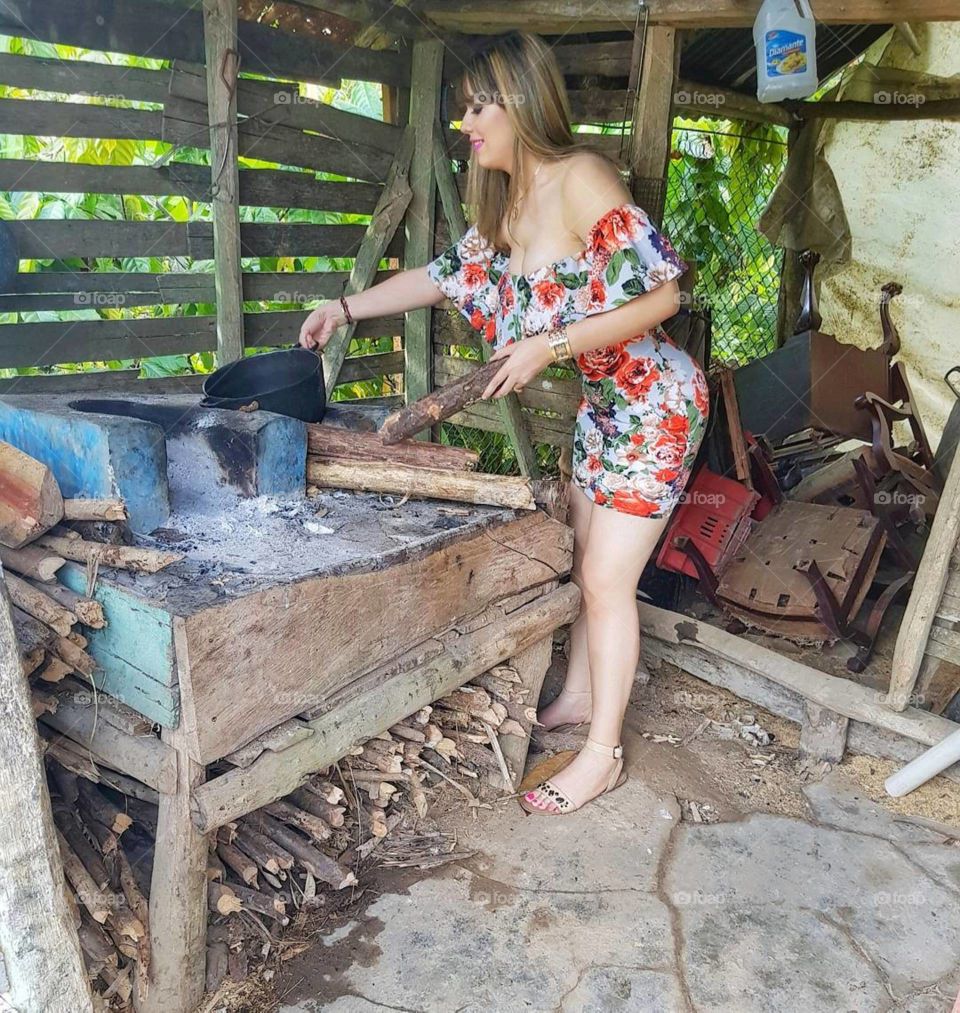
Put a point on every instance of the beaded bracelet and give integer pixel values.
(346, 309)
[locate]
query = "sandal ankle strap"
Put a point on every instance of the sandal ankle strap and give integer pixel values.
(615, 751)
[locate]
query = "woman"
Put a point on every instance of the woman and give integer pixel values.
(571, 267)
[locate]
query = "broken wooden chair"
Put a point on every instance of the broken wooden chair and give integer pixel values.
(797, 570)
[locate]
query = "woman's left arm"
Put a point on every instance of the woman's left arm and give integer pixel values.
(528, 358)
(591, 187)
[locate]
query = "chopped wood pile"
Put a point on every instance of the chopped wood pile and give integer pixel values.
(344, 459)
(37, 537)
(282, 861)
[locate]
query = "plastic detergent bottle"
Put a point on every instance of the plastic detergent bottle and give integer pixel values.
(785, 37)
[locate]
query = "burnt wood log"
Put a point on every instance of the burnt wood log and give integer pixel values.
(438, 405)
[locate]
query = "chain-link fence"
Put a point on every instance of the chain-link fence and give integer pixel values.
(718, 184)
(719, 181)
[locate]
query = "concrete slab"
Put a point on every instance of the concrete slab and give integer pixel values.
(622, 907)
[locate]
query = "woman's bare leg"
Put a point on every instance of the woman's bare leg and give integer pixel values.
(570, 707)
(616, 550)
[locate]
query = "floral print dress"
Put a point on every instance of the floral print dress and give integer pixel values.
(644, 405)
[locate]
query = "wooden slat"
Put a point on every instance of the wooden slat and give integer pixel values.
(556, 17)
(425, 85)
(510, 405)
(271, 102)
(81, 77)
(66, 290)
(105, 379)
(174, 32)
(222, 61)
(77, 119)
(43, 239)
(367, 367)
(542, 429)
(603, 59)
(383, 230)
(47, 344)
(258, 187)
(184, 122)
(934, 576)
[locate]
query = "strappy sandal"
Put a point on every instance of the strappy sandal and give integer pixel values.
(563, 802)
(570, 726)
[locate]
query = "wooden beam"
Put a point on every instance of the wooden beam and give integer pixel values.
(425, 85)
(38, 940)
(223, 61)
(555, 17)
(938, 109)
(386, 220)
(758, 689)
(382, 703)
(850, 699)
(178, 895)
(650, 139)
(693, 99)
(928, 588)
(509, 406)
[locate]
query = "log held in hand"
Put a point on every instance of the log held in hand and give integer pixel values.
(440, 405)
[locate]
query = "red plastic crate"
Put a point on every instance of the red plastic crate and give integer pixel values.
(715, 515)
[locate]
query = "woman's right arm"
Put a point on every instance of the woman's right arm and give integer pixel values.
(408, 290)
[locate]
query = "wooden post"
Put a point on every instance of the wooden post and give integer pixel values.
(384, 222)
(652, 121)
(509, 406)
(425, 85)
(38, 940)
(531, 665)
(178, 895)
(223, 61)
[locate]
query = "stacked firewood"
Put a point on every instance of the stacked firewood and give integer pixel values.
(345, 459)
(280, 862)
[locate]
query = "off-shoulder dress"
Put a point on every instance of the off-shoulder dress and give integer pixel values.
(644, 402)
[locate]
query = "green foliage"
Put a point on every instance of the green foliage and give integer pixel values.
(720, 180)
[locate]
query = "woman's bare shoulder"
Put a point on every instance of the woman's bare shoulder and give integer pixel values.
(592, 186)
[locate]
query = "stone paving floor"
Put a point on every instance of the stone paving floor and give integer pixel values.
(623, 906)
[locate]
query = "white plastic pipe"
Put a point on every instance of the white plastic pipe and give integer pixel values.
(925, 766)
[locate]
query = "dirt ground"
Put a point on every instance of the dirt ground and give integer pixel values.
(722, 757)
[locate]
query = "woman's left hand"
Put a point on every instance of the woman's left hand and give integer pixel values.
(522, 361)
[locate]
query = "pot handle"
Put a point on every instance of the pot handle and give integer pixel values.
(211, 402)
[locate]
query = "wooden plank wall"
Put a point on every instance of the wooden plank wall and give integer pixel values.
(274, 121)
(275, 124)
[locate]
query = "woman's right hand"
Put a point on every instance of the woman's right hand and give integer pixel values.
(320, 325)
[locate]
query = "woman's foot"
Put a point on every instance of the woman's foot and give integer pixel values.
(571, 707)
(583, 779)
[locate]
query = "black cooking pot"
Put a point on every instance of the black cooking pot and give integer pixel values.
(289, 382)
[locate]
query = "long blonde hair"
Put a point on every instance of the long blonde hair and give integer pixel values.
(519, 72)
